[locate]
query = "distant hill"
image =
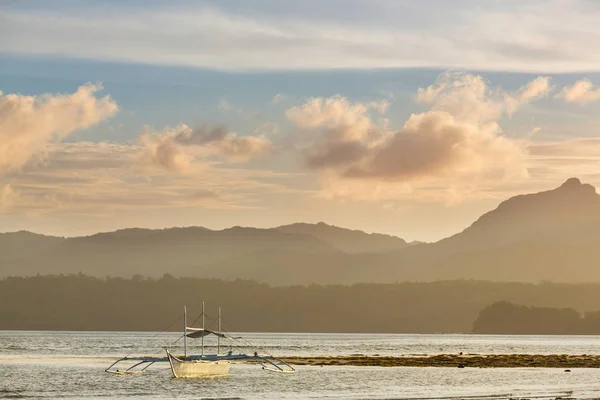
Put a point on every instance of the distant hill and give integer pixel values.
(552, 235)
(346, 240)
(263, 254)
(18, 249)
(507, 318)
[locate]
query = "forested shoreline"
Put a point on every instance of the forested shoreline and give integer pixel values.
(79, 302)
(507, 318)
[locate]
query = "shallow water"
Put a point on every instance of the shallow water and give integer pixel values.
(70, 365)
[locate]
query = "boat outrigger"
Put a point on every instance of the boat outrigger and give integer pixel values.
(201, 365)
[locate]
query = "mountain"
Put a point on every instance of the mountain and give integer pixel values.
(552, 235)
(346, 240)
(17, 248)
(507, 318)
(571, 209)
(262, 254)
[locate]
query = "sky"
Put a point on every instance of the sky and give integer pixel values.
(401, 117)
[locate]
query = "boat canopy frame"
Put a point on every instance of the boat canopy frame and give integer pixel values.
(268, 362)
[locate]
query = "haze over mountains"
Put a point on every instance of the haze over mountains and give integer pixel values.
(552, 235)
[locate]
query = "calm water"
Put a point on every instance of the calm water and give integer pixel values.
(70, 365)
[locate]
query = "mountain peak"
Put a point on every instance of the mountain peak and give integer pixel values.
(574, 185)
(568, 198)
(571, 182)
(571, 206)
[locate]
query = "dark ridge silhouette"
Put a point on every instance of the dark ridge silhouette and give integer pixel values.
(79, 302)
(507, 318)
(552, 235)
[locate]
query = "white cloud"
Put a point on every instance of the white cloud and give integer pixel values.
(582, 92)
(335, 112)
(469, 97)
(539, 87)
(278, 98)
(29, 123)
(464, 96)
(224, 105)
(554, 35)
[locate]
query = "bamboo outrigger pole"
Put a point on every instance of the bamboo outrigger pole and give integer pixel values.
(219, 337)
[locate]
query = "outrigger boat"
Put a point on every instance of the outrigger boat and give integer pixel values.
(201, 365)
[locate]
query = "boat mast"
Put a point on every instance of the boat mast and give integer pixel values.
(184, 331)
(202, 329)
(219, 337)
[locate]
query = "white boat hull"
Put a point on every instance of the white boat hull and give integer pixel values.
(197, 368)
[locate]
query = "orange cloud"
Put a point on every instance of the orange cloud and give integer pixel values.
(175, 149)
(8, 197)
(29, 123)
(458, 138)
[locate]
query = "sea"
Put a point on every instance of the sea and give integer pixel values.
(58, 365)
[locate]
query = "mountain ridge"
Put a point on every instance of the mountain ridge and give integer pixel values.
(549, 235)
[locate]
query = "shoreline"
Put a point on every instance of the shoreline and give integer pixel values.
(455, 361)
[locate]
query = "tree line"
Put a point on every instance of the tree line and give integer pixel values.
(507, 318)
(80, 302)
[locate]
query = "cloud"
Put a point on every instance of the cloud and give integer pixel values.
(161, 150)
(8, 197)
(438, 144)
(267, 128)
(29, 123)
(237, 148)
(204, 194)
(99, 179)
(551, 162)
(534, 36)
(175, 149)
(539, 87)
(334, 112)
(469, 97)
(343, 130)
(582, 92)
(226, 106)
(278, 98)
(458, 139)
